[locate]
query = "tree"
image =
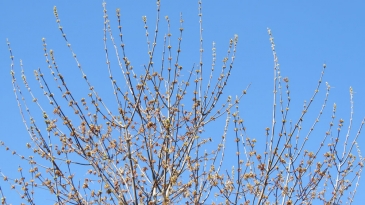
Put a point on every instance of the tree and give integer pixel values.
(147, 144)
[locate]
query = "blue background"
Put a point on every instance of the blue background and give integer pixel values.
(307, 34)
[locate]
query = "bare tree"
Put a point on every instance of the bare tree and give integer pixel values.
(150, 148)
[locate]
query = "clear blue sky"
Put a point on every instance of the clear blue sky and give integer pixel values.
(307, 34)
